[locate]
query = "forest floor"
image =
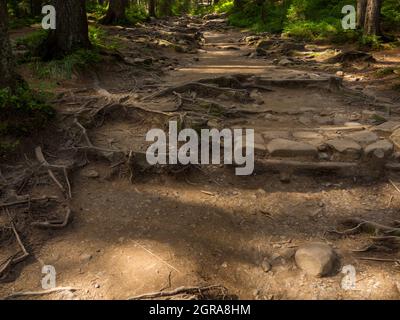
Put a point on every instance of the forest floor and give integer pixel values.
(132, 233)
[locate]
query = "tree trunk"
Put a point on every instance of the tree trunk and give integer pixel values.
(166, 8)
(238, 4)
(373, 18)
(36, 7)
(71, 31)
(115, 12)
(361, 11)
(152, 8)
(8, 77)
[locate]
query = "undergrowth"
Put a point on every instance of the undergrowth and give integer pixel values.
(22, 112)
(310, 20)
(64, 68)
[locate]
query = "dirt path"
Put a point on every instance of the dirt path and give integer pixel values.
(209, 226)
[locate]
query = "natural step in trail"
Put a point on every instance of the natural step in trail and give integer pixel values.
(325, 186)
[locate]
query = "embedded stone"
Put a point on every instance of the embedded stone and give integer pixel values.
(388, 126)
(289, 148)
(316, 259)
(381, 148)
(363, 137)
(345, 147)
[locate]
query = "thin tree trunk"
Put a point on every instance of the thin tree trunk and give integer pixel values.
(166, 8)
(238, 4)
(8, 77)
(71, 31)
(152, 8)
(372, 24)
(115, 12)
(361, 11)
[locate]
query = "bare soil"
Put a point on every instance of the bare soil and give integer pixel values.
(201, 226)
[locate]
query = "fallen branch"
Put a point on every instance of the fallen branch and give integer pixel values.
(39, 293)
(397, 261)
(15, 258)
(177, 291)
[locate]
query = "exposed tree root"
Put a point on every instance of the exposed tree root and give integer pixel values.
(196, 290)
(240, 95)
(17, 258)
(388, 241)
(43, 162)
(27, 200)
(359, 225)
(55, 224)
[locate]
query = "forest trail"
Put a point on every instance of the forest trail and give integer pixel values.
(206, 226)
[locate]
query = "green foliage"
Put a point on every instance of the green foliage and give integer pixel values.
(305, 19)
(22, 111)
(33, 40)
(386, 71)
(391, 14)
(65, 67)
(95, 10)
(100, 40)
(371, 42)
(136, 13)
(16, 23)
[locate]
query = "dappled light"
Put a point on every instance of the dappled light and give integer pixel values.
(195, 150)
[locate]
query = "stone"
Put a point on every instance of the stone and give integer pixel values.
(305, 120)
(323, 156)
(363, 137)
(352, 124)
(382, 148)
(312, 135)
(387, 127)
(269, 135)
(84, 258)
(266, 265)
(251, 39)
(345, 147)
(316, 259)
(90, 173)
(323, 120)
(395, 137)
(259, 145)
(284, 62)
(288, 148)
(264, 44)
(340, 119)
(257, 97)
(291, 46)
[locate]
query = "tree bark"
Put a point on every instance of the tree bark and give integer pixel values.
(238, 4)
(71, 31)
(115, 12)
(8, 77)
(372, 24)
(361, 11)
(166, 8)
(152, 8)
